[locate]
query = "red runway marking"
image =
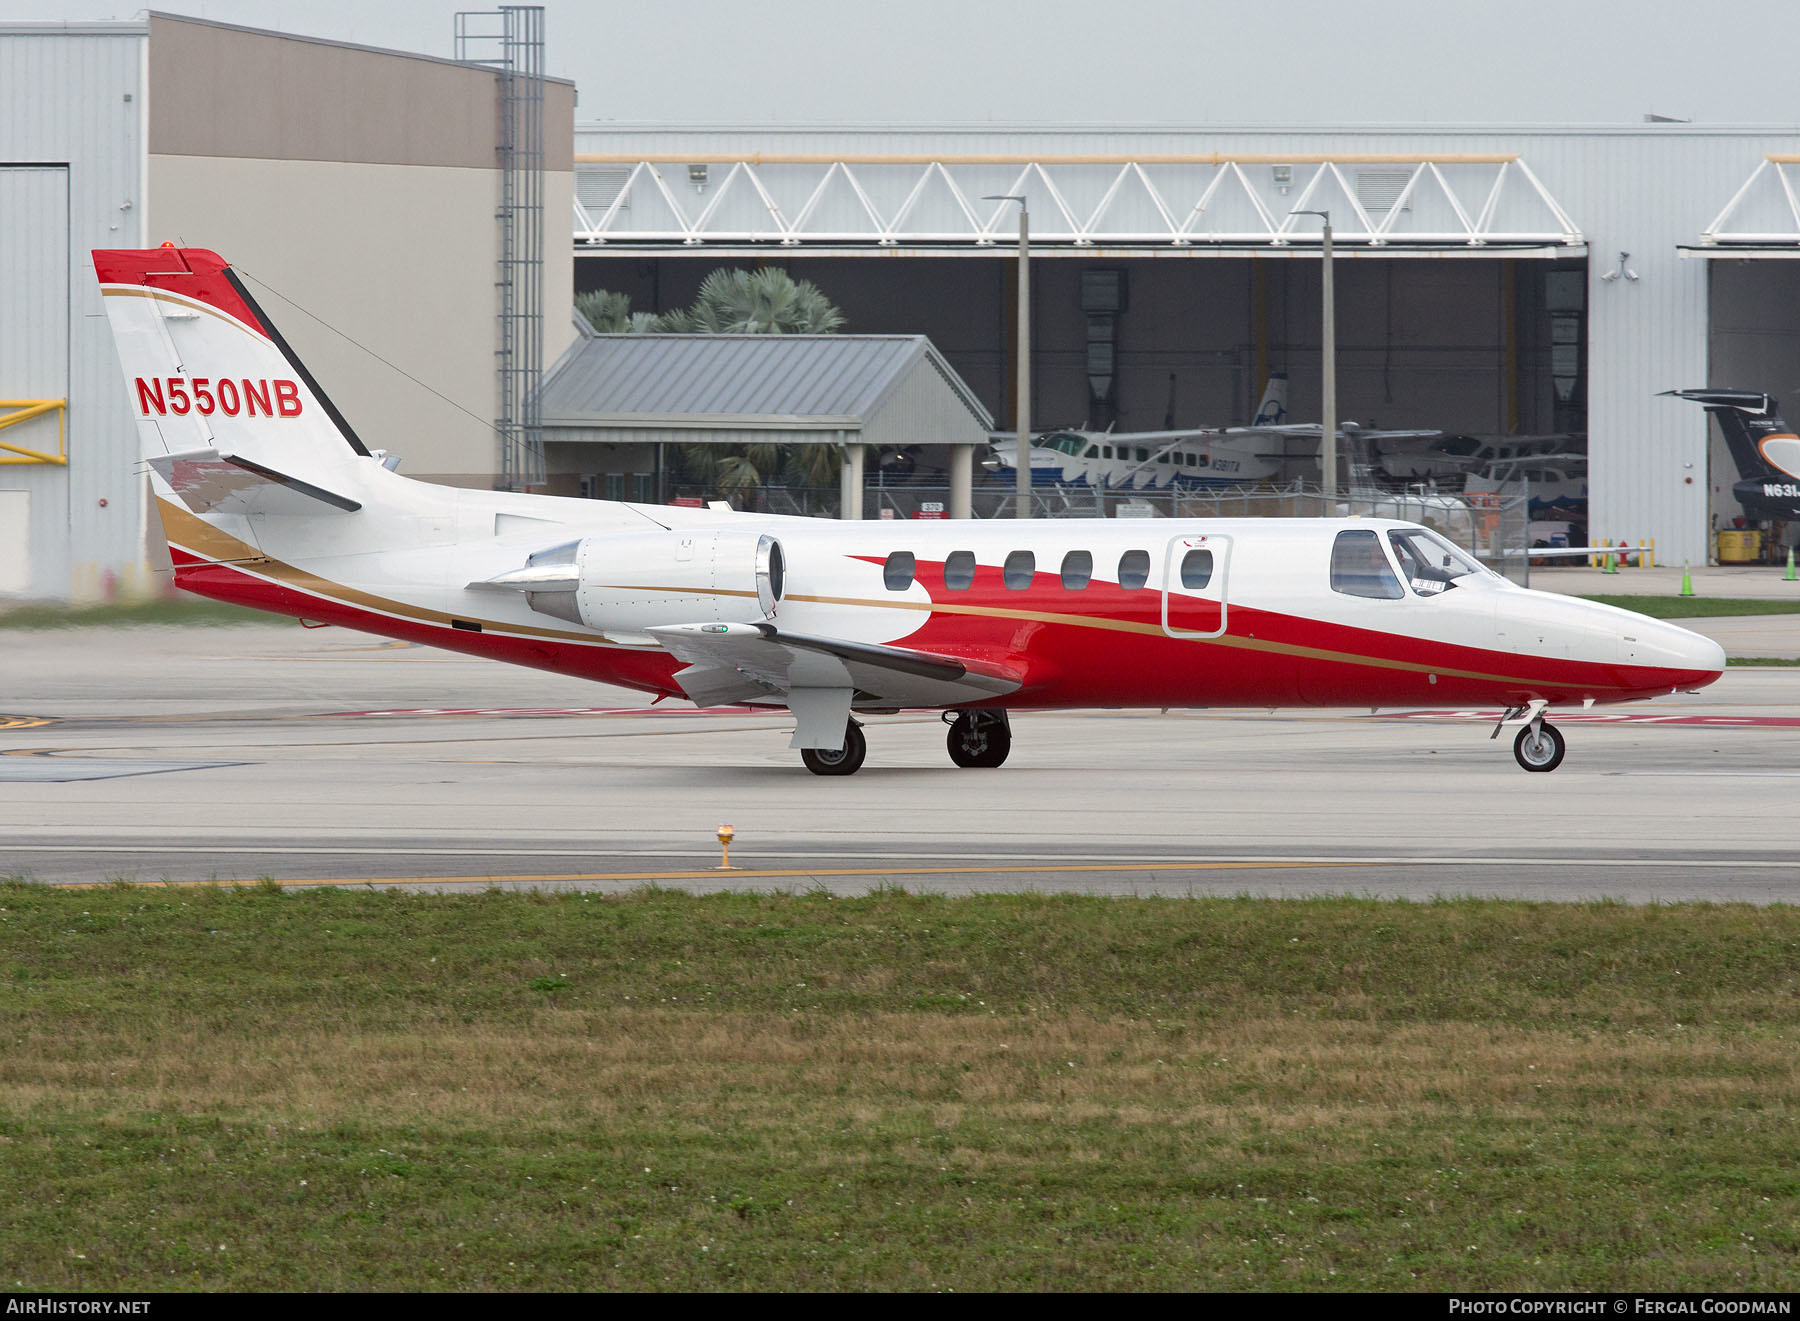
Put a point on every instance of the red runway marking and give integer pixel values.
(1608, 718)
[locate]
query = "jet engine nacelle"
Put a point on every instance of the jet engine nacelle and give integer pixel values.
(637, 580)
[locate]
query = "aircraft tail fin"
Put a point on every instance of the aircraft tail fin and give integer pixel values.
(1272, 412)
(212, 381)
(1762, 445)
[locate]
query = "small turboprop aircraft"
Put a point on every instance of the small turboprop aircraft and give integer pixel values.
(1413, 459)
(1200, 457)
(1557, 484)
(1148, 460)
(1765, 449)
(269, 499)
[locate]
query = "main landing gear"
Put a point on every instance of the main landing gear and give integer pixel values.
(847, 760)
(976, 738)
(1540, 744)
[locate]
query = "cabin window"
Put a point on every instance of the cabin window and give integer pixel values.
(959, 570)
(1077, 570)
(1358, 568)
(1134, 569)
(1191, 458)
(897, 573)
(1196, 569)
(1018, 570)
(1143, 455)
(1106, 451)
(1164, 457)
(1093, 452)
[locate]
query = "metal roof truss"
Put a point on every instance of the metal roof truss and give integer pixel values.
(1761, 219)
(1077, 203)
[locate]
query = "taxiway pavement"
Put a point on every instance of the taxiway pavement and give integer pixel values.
(326, 757)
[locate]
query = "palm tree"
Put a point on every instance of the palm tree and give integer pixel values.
(732, 301)
(610, 314)
(763, 302)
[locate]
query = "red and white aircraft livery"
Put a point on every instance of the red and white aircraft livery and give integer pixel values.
(269, 499)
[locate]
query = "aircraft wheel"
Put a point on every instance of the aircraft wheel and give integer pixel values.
(1540, 749)
(847, 761)
(979, 739)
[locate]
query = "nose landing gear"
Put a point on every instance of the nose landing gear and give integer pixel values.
(978, 738)
(1539, 745)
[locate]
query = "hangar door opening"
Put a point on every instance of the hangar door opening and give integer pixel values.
(1753, 344)
(1474, 346)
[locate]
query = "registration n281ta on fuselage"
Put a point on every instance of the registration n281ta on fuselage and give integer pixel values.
(268, 498)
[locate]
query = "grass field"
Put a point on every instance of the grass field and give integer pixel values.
(181, 609)
(251, 1089)
(1699, 607)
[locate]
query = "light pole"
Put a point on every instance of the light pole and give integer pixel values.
(1022, 408)
(1327, 369)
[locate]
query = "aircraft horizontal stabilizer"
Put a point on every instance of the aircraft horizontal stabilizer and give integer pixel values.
(741, 662)
(209, 480)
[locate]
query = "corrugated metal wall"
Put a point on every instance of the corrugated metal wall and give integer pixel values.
(71, 104)
(34, 365)
(1642, 189)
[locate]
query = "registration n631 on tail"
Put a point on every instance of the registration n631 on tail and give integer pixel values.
(270, 499)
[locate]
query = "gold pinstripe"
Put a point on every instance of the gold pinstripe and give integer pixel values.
(195, 534)
(192, 304)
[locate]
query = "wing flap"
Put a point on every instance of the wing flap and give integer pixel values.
(735, 662)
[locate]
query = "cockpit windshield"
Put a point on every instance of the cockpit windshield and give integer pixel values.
(1062, 442)
(1430, 564)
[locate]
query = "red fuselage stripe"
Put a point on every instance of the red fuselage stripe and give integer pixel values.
(1269, 659)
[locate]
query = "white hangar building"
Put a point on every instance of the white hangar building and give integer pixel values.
(1494, 280)
(412, 252)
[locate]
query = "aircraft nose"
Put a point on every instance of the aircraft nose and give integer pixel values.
(1696, 658)
(1702, 653)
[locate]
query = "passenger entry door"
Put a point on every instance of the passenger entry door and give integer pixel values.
(1195, 570)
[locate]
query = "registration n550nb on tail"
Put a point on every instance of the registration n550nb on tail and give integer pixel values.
(270, 499)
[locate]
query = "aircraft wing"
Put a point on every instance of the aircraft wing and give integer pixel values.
(1370, 433)
(1154, 437)
(1349, 430)
(749, 662)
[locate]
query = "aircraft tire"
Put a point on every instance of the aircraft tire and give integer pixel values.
(1542, 751)
(979, 740)
(821, 761)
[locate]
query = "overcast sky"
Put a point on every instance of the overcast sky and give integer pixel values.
(1110, 61)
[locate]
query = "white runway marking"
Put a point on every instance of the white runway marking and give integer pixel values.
(1712, 775)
